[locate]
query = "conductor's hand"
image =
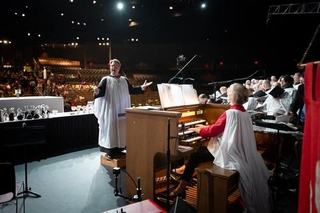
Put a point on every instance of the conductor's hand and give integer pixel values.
(145, 84)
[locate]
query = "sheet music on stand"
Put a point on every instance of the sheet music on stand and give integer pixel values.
(172, 95)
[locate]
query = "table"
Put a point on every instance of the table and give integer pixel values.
(66, 132)
(54, 102)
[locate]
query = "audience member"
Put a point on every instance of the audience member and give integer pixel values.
(273, 81)
(277, 103)
(248, 84)
(297, 104)
(286, 82)
(265, 85)
(296, 80)
(223, 97)
(203, 98)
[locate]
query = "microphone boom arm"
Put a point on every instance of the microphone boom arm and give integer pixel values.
(182, 69)
(233, 80)
(229, 81)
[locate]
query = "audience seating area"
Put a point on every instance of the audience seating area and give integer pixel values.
(76, 85)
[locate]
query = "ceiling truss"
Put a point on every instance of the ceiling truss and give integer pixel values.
(299, 8)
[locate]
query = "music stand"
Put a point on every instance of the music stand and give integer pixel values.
(22, 137)
(279, 127)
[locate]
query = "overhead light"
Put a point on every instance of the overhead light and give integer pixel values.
(203, 5)
(120, 5)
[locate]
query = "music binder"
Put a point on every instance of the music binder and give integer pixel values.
(259, 94)
(172, 95)
(276, 91)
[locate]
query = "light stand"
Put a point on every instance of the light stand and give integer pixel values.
(174, 77)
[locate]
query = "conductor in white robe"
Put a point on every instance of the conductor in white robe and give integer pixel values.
(111, 98)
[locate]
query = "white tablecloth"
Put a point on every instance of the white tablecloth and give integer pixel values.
(54, 103)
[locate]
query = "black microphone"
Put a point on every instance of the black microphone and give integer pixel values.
(181, 57)
(139, 190)
(264, 74)
(199, 56)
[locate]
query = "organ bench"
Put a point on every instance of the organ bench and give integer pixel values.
(217, 188)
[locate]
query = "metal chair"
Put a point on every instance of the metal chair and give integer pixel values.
(9, 188)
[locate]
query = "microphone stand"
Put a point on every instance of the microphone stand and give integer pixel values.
(118, 193)
(168, 165)
(182, 69)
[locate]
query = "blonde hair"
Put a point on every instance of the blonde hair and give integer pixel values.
(115, 61)
(240, 93)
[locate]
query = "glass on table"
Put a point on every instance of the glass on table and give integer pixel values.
(20, 114)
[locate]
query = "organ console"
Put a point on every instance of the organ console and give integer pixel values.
(147, 135)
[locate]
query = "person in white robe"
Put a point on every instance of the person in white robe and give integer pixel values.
(233, 146)
(111, 98)
(275, 106)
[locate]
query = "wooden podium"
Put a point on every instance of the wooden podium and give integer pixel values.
(147, 137)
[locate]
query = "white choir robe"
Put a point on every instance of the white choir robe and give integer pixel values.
(278, 106)
(110, 112)
(236, 149)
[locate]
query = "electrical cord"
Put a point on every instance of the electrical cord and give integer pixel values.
(130, 177)
(118, 192)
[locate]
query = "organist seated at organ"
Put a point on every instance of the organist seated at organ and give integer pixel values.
(232, 137)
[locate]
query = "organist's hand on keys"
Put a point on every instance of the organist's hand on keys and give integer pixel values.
(190, 136)
(197, 128)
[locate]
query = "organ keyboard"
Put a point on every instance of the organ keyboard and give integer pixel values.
(187, 137)
(192, 140)
(192, 123)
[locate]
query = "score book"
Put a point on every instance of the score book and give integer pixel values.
(173, 95)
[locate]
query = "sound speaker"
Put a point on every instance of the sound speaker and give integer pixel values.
(181, 206)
